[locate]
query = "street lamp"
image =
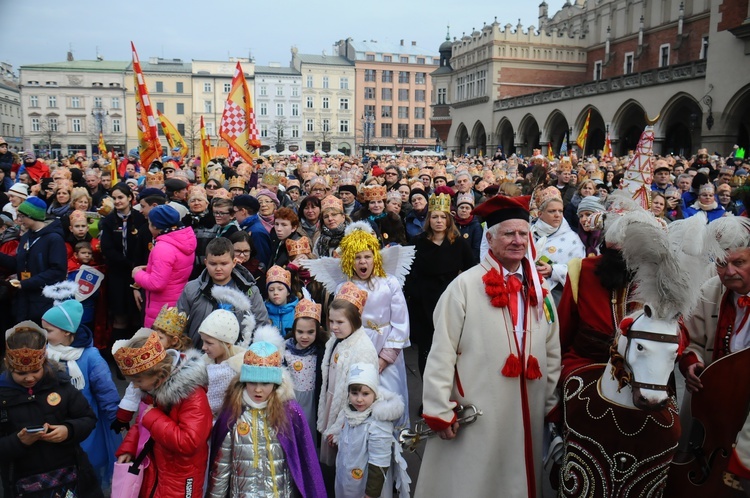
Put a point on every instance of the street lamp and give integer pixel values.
(99, 114)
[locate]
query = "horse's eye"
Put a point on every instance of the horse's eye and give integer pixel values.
(640, 347)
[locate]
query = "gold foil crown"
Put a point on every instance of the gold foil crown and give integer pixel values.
(353, 294)
(133, 361)
(236, 182)
(270, 178)
(308, 309)
(155, 180)
(440, 202)
(374, 193)
(171, 321)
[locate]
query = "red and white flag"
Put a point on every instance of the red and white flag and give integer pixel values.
(238, 126)
(149, 146)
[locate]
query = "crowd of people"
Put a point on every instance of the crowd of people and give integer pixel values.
(260, 312)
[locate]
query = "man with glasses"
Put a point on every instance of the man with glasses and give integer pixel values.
(224, 215)
(392, 177)
(246, 209)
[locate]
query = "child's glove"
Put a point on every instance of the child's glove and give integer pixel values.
(119, 426)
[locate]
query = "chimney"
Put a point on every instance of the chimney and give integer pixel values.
(402, 42)
(70, 56)
(413, 44)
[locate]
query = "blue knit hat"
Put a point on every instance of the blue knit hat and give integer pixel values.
(34, 208)
(65, 316)
(164, 216)
(262, 364)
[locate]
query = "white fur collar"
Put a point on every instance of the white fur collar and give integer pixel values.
(189, 374)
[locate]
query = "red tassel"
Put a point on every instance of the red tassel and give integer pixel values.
(512, 367)
(533, 371)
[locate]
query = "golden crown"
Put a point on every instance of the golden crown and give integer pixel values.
(236, 182)
(270, 360)
(171, 321)
(374, 193)
(270, 178)
(308, 309)
(278, 274)
(133, 361)
(353, 294)
(297, 247)
(440, 202)
(155, 180)
(25, 359)
(331, 202)
(222, 193)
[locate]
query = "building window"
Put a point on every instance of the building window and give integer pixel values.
(180, 108)
(403, 112)
(52, 101)
(295, 131)
(418, 131)
(34, 101)
(210, 129)
(75, 102)
(387, 58)
(310, 102)
(597, 70)
(704, 48)
(35, 124)
(369, 110)
(386, 77)
(368, 57)
(403, 130)
(386, 111)
(263, 109)
(208, 106)
(386, 130)
(295, 109)
(404, 60)
(98, 102)
(481, 83)
(460, 88)
(279, 109)
(263, 90)
(628, 65)
(115, 102)
(344, 126)
(180, 87)
(420, 60)
(207, 87)
(664, 55)
(309, 81)
(295, 91)
(386, 93)
(181, 128)
(420, 78)
(77, 125)
(264, 130)
(369, 75)
(227, 87)
(325, 103)
(279, 91)
(116, 125)
(159, 87)
(53, 126)
(344, 83)
(369, 93)
(325, 81)
(344, 104)
(160, 107)
(403, 94)
(326, 125)
(403, 76)
(310, 125)
(419, 113)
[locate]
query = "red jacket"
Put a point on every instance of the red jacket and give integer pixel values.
(180, 424)
(37, 171)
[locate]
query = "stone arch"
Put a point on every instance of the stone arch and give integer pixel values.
(555, 130)
(528, 135)
(627, 125)
(462, 139)
(506, 136)
(478, 139)
(597, 129)
(736, 118)
(679, 127)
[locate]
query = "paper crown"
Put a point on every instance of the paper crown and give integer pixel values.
(308, 309)
(171, 321)
(292, 183)
(236, 182)
(155, 180)
(331, 202)
(353, 294)
(416, 185)
(222, 193)
(707, 187)
(77, 215)
(270, 178)
(393, 194)
(412, 171)
(545, 194)
(465, 198)
(25, 359)
(425, 172)
(439, 173)
(297, 247)
(440, 202)
(133, 361)
(63, 184)
(280, 275)
(597, 174)
(217, 174)
(262, 364)
(565, 164)
(727, 170)
(374, 193)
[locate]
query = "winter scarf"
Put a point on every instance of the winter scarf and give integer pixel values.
(463, 223)
(69, 354)
(542, 229)
(309, 228)
(706, 207)
(267, 222)
(330, 239)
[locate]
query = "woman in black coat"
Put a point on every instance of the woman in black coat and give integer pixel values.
(122, 254)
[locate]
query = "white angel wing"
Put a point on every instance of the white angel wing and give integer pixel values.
(327, 271)
(397, 261)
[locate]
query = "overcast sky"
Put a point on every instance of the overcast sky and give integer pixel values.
(39, 31)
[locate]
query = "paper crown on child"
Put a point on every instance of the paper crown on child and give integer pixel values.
(171, 321)
(262, 364)
(331, 202)
(77, 215)
(365, 374)
(277, 274)
(440, 202)
(133, 361)
(350, 292)
(236, 182)
(374, 193)
(297, 247)
(25, 359)
(359, 237)
(155, 180)
(308, 309)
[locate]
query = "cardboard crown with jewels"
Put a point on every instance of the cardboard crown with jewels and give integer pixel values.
(308, 309)
(155, 180)
(297, 247)
(171, 321)
(236, 182)
(353, 294)
(440, 202)
(374, 193)
(278, 274)
(331, 202)
(133, 361)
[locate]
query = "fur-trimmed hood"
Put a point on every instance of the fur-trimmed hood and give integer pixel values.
(388, 407)
(189, 374)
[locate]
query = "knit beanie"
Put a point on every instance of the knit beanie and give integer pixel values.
(590, 203)
(365, 374)
(163, 216)
(65, 316)
(221, 325)
(34, 208)
(262, 364)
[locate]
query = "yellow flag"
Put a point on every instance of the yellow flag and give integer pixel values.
(205, 152)
(173, 135)
(581, 140)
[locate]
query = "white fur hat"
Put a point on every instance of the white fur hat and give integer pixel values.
(365, 374)
(221, 325)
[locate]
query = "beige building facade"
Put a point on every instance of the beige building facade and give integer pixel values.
(11, 117)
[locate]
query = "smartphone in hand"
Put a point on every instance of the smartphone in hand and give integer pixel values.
(35, 429)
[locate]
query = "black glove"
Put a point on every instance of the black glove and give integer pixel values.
(118, 426)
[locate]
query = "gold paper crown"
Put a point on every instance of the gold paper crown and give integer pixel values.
(545, 194)
(374, 193)
(236, 182)
(416, 185)
(171, 321)
(425, 172)
(297, 247)
(133, 361)
(270, 178)
(77, 215)
(254, 359)
(222, 193)
(155, 180)
(566, 164)
(217, 174)
(464, 198)
(278, 274)
(331, 202)
(308, 309)
(393, 194)
(440, 202)
(25, 359)
(353, 294)
(412, 172)
(439, 173)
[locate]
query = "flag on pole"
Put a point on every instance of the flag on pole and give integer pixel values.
(238, 126)
(607, 152)
(102, 147)
(205, 152)
(638, 174)
(581, 140)
(564, 146)
(149, 146)
(173, 135)
(550, 153)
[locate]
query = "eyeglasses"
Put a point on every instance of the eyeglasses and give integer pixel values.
(262, 203)
(222, 213)
(317, 190)
(211, 187)
(391, 174)
(242, 253)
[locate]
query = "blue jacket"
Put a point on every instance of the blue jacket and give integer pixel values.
(282, 317)
(472, 232)
(712, 215)
(413, 224)
(261, 239)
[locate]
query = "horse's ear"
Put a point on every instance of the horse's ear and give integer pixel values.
(625, 325)
(647, 310)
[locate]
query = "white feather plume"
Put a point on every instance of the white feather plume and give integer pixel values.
(306, 294)
(359, 225)
(228, 295)
(327, 271)
(730, 232)
(248, 327)
(269, 333)
(61, 291)
(397, 261)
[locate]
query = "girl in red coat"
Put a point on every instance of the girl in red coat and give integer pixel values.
(174, 413)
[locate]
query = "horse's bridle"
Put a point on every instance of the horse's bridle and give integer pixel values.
(626, 375)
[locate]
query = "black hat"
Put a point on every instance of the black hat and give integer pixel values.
(246, 201)
(148, 192)
(175, 184)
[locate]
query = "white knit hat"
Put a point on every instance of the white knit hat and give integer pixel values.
(365, 374)
(221, 325)
(20, 190)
